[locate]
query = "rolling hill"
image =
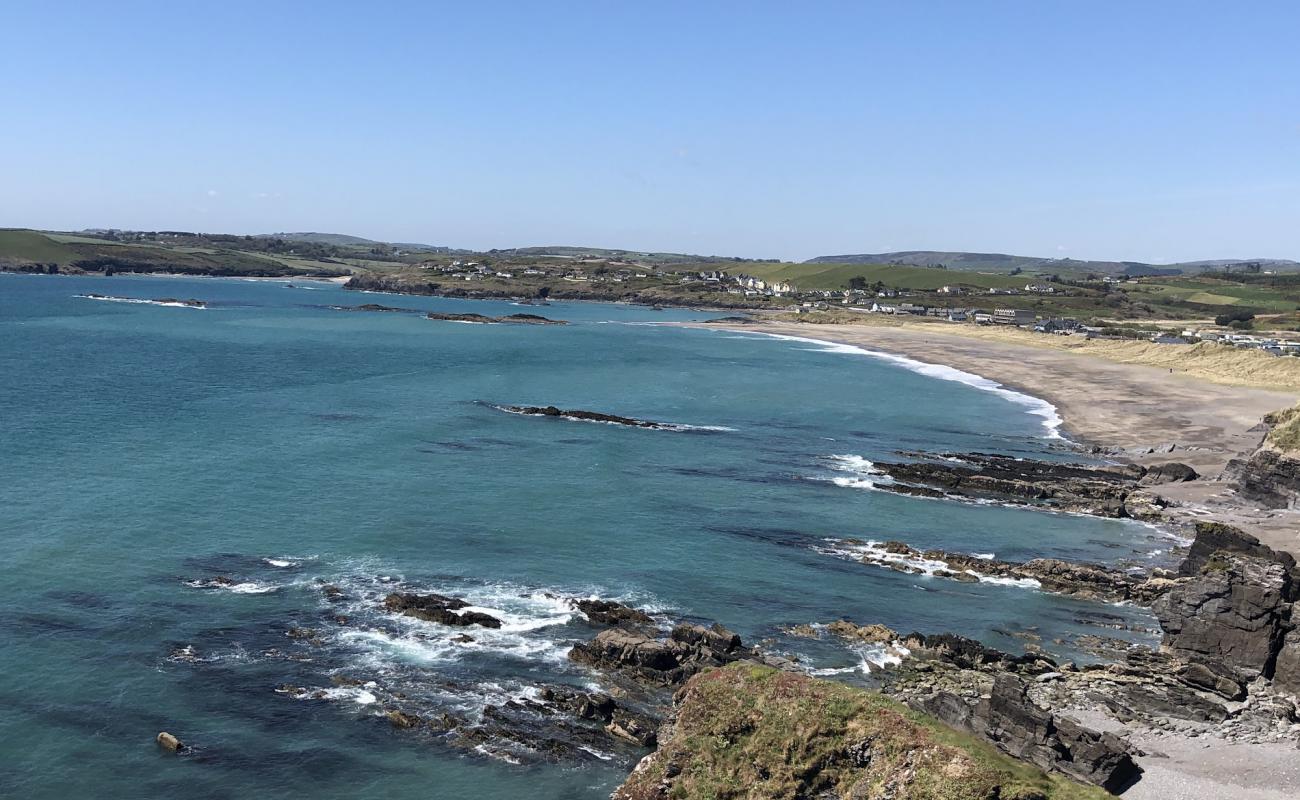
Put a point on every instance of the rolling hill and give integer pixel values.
(1002, 262)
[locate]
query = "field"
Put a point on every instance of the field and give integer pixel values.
(836, 276)
(22, 245)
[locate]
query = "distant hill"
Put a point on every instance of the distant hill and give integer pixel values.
(1002, 262)
(638, 256)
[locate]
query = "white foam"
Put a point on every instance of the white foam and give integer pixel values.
(1035, 405)
(243, 587)
(137, 301)
(877, 554)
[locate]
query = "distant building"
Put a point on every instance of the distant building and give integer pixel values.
(1013, 316)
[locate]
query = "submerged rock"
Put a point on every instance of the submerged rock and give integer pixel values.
(590, 416)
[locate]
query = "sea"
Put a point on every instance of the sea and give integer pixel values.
(202, 509)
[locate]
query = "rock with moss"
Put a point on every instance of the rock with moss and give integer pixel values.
(749, 731)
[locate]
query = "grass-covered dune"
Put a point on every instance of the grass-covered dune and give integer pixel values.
(753, 732)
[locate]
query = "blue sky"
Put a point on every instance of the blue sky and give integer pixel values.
(1131, 130)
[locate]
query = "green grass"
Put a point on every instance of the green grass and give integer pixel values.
(836, 276)
(1216, 292)
(24, 245)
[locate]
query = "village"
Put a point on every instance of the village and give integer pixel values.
(951, 303)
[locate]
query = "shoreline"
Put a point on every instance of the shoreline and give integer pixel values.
(1133, 413)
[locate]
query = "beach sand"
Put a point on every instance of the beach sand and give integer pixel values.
(1131, 406)
(1116, 405)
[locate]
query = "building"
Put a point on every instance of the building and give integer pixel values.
(1013, 316)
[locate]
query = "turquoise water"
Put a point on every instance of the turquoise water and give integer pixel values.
(271, 439)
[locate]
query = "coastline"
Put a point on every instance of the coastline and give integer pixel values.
(1134, 413)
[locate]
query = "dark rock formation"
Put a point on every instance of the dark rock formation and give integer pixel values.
(608, 612)
(438, 608)
(1172, 472)
(1053, 575)
(1236, 611)
(376, 307)
(1286, 668)
(1009, 719)
(589, 416)
(518, 319)
(663, 662)
(1101, 491)
(1267, 477)
(1213, 537)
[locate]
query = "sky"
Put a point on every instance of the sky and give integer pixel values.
(1149, 131)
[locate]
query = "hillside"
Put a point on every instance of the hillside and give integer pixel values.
(809, 275)
(344, 240)
(1002, 262)
(193, 254)
(632, 256)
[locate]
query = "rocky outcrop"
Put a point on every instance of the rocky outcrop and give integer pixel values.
(1214, 537)
(438, 608)
(609, 612)
(748, 731)
(662, 662)
(1268, 477)
(1236, 611)
(578, 414)
(1102, 491)
(518, 319)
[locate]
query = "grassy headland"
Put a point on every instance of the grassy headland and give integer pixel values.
(753, 732)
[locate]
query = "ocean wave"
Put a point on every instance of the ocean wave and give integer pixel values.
(226, 584)
(1051, 420)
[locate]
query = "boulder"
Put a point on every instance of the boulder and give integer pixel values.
(1213, 677)
(1235, 612)
(170, 743)
(1171, 472)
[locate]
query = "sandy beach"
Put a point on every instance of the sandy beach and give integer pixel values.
(1119, 406)
(1131, 407)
